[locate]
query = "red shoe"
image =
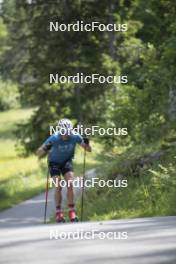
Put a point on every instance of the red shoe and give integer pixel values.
(60, 217)
(72, 216)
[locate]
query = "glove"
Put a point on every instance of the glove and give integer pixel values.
(86, 140)
(48, 146)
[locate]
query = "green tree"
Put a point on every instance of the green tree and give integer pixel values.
(39, 52)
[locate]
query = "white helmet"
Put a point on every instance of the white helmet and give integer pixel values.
(65, 124)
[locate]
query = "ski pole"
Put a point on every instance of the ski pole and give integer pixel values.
(82, 196)
(46, 196)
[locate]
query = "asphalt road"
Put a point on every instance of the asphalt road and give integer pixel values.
(143, 240)
(24, 239)
(31, 212)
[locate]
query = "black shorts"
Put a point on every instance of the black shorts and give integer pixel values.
(57, 169)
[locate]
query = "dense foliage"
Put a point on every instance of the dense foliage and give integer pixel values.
(146, 105)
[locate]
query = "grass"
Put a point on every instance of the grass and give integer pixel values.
(20, 178)
(24, 177)
(150, 193)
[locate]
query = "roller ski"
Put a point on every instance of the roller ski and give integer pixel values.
(60, 217)
(72, 216)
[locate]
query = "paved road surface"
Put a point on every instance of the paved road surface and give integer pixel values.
(28, 212)
(32, 211)
(24, 239)
(150, 241)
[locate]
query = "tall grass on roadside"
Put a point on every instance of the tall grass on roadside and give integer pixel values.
(151, 193)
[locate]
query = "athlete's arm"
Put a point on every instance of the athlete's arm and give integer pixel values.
(43, 150)
(86, 145)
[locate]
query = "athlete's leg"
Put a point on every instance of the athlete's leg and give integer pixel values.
(70, 193)
(58, 192)
(58, 199)
(55, 174)
(70, 196)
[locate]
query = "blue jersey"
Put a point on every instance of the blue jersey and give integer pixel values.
(62, 150)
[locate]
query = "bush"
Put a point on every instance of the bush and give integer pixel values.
(9, 95)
